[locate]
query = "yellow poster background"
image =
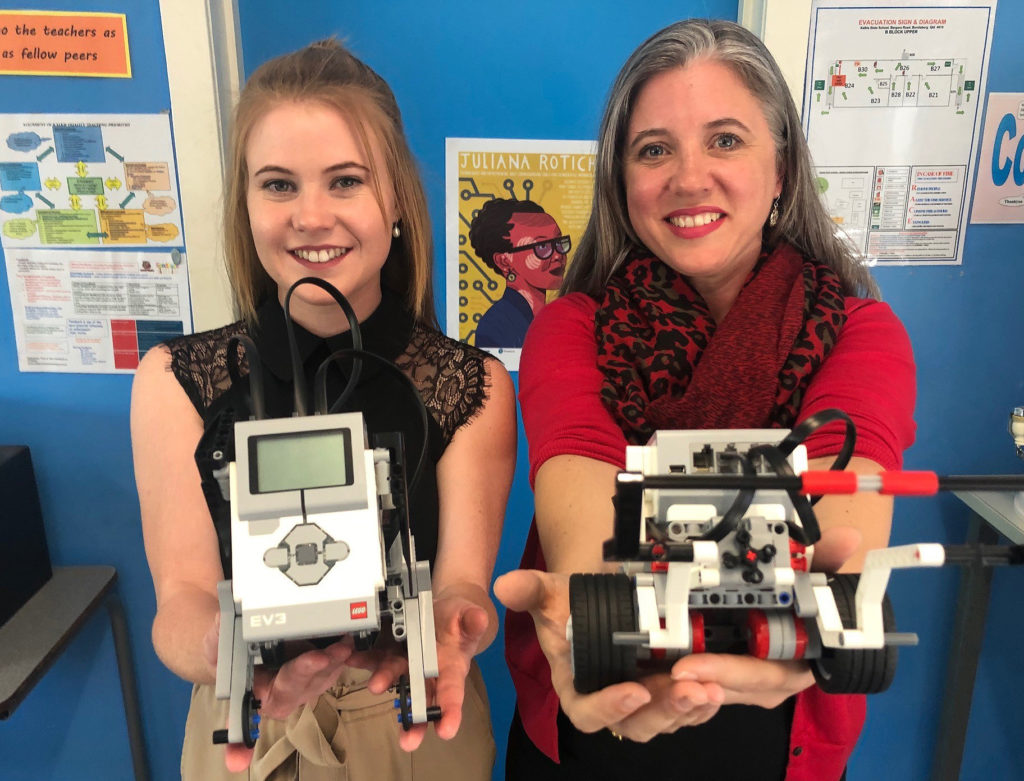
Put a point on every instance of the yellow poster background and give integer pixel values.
(558, 175)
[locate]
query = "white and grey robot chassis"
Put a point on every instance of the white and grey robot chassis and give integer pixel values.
(321, 544)
(714, 532)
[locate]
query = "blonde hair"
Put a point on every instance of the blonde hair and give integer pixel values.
(327, 73)
(803, 222)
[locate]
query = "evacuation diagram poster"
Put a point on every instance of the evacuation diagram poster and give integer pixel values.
(892, 111)
(515, 210)
(90, 227)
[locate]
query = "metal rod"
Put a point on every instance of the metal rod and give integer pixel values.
(791, 483)
(723, 482)
(981, 483)
(129, 692)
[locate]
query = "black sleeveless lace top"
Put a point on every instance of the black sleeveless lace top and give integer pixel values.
(450, 377)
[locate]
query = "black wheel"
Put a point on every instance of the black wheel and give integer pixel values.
(251, 719)
(404, 703)
(601, 605)
(855, 670)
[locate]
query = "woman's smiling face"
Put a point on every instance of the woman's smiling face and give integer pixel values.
(700, 173)
(313, 210)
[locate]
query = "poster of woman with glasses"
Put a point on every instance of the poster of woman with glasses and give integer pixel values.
(513, 210)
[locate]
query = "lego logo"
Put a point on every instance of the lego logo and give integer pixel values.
(357, 610)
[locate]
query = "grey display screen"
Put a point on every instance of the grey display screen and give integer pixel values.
(300, 460)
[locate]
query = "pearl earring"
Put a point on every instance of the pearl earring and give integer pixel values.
(396, 231)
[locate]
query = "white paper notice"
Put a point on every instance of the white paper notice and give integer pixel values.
(94, 312)
(892, 114)
(999, 189)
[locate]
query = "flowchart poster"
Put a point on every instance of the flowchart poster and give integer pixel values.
(892, 113)
(515, 210)
(88, 180)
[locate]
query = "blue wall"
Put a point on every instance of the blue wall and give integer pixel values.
(521, 70)
(72, 725)
(526, 70)
(509, 71)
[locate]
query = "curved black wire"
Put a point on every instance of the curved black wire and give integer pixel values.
(257, 404)
(810, 532)
(732, 517)
(776, 457)
(298, 378)
(812, 424)
(320, 380)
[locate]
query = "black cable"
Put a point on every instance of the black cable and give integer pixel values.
(738, 508)
(776, 457)
(321, 380)
(257, 403)
(811, 425)
(298, 377)
(809, 532)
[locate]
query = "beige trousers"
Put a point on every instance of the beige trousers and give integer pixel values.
(348, 734)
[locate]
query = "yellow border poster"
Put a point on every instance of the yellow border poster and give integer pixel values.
(64, 43)
(515, 210)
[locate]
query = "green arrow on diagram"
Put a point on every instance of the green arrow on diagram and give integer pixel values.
(44, 154)
(41, 198)
(125, 201)
(115, 154)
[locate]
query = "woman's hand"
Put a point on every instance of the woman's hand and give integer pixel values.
(638, 710)
(662, 703)
(297, 682)
(460, 624)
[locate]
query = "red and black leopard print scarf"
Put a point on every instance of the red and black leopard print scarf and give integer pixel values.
(667, 364)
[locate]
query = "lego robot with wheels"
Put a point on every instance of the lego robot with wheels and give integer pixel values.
(723, 568)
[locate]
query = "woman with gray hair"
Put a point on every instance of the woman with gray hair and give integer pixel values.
(709, 291)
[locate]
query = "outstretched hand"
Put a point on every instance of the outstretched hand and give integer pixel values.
(638, 710)
(297, 682)
(460, 625)
(698, 685)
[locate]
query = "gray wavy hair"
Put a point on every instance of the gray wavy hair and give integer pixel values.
(803, 222)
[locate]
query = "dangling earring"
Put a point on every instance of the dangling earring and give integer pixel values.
(773, 217)
(511, 277)
(396, 231)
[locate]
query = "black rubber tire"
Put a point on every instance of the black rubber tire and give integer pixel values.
(404, 703)
(601, 605)
(250, 711)
(855, 670)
